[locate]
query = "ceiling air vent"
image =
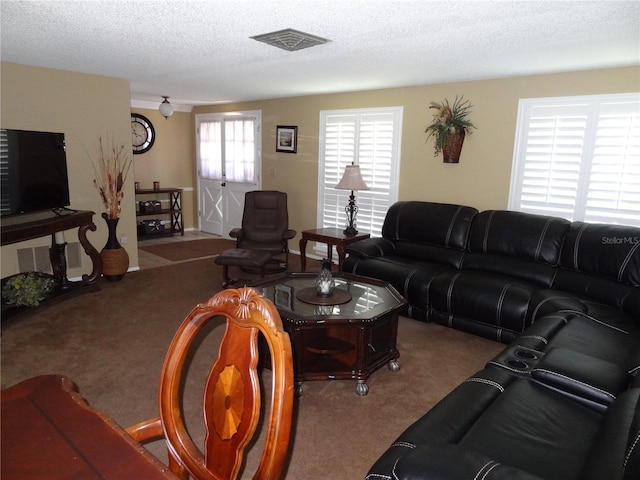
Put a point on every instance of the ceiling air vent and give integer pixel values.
(290, 39)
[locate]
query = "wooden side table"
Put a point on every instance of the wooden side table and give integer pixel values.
(330, 236)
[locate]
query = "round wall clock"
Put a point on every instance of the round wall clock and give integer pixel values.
(142, 133)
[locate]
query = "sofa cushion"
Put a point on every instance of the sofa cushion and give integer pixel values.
(517, 268)
(409, 276)
(371, 247)
(440, 224)
(616, 340)
(516, 234)
(558, 430)
(491, 299)
(494, 423)
(520, 245)
(611, 251)
(549, 301)
(615, 453)
(452, 462)
(602, 262)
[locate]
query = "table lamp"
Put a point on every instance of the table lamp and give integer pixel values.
(351, 180)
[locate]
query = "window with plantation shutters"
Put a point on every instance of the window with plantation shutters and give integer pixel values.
(578, 158)
(369, 138)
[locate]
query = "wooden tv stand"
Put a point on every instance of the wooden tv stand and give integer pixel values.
(39, 224)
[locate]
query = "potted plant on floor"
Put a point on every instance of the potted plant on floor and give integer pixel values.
(449, 127)
(27, 289)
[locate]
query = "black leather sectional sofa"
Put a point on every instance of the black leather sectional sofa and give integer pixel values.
(562, 401)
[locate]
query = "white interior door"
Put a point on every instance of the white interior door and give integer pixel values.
(228, 151)
(211, 212)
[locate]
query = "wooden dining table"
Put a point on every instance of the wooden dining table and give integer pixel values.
(49, 432)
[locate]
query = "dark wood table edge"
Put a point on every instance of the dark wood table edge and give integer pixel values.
(30, 386)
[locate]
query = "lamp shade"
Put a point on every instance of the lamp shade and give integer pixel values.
(166, 109)
(352, 179)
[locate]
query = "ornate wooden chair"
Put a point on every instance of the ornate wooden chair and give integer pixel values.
(232, 400)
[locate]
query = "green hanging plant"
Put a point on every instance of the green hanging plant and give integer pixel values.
(27, 289)
(449, 120)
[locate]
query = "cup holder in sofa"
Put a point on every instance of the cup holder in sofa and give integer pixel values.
(526, 354)
(517, 364)
(517, 359)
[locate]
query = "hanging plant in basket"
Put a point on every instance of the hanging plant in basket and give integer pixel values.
(449, 127)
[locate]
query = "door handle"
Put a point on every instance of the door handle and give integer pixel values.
(223, 184)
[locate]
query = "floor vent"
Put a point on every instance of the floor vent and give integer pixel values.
(73, 255)
(36, 259)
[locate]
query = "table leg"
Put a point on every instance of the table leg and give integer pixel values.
(394, 365)
(342, 252)
(303, 253)
(96, 259)
(330, 252)
(362, 388)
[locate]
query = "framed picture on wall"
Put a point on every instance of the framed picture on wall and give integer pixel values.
(286, 139)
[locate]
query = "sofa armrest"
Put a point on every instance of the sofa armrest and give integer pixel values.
(453, 462)
(592, 379)
(371, 247)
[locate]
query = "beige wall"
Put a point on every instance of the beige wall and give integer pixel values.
(481, 179)
(84, 108)
(171, 159)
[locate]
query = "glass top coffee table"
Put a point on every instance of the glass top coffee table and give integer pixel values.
(347, 340)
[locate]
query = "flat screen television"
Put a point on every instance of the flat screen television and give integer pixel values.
(33, 172)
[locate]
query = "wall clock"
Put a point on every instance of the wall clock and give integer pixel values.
(142, 133)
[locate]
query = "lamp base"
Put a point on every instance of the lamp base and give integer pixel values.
(350, 231)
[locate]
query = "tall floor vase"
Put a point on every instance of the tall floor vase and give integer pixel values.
(115, 259)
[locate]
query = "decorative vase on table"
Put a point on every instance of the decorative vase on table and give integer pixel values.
(325, 282)
(115, 259)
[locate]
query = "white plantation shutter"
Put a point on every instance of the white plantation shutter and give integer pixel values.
(369, 138)
(578, 158)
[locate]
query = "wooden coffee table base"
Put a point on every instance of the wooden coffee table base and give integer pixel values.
(350, 350)
(348, 341)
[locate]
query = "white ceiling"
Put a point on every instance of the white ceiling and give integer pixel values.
(200, 52)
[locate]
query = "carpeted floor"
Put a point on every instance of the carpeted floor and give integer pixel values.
(179, 251)
(112, 344)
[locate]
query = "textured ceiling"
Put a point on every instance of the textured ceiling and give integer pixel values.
(200, 52)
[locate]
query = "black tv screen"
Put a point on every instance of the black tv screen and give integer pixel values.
(33, 171)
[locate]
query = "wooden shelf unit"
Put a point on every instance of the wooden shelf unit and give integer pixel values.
(174, 210)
